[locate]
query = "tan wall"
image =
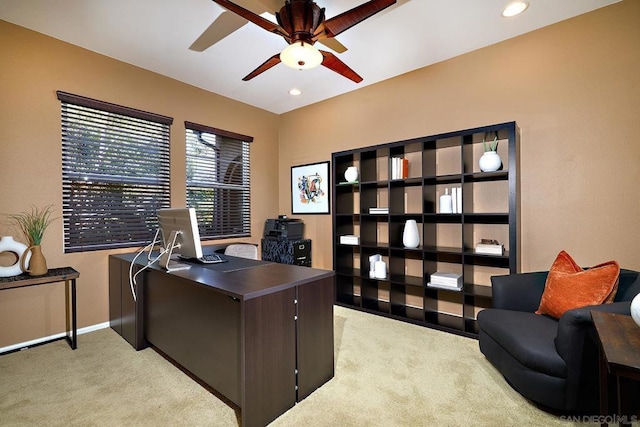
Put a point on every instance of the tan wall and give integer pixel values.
(571, 87)
(32, 68)
(573, 90)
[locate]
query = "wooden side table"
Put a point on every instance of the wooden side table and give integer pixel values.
(63, 274)
(619, 339)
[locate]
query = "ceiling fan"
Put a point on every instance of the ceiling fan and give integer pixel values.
(302, 23)
(227, 22)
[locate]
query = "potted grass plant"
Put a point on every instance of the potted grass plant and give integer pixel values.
(33, 224)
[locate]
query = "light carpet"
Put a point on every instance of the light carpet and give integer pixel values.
(388, 373)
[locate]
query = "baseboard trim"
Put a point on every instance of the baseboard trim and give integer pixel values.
(27, 344)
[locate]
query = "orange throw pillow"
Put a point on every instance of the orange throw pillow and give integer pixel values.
(568, 286)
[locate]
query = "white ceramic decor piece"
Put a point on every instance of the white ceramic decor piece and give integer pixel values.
(446, 205)
(351, 174)
(7, 244)
(635, 309)
(381, 270)
(410, 235)
(490, 161)
(372, 264)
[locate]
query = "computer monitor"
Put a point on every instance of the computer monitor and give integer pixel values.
(179, 234)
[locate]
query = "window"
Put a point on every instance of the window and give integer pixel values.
(115, 173)
(218, 184)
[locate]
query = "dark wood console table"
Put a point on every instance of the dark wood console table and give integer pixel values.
(54, 275)
(619, 339)
(259, 333)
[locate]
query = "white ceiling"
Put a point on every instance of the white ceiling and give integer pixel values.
(156, 35)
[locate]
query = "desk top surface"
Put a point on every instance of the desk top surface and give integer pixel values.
(620, 340)
(240, 277)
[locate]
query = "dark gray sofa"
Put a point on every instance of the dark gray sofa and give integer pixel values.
(552, 362)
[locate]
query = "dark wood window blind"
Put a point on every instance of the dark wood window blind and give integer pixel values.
(115, 173)
(218, 181)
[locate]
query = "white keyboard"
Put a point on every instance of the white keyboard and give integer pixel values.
(211, 259)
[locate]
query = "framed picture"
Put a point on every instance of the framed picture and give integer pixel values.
(310, 189)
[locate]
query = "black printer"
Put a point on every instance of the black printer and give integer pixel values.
(283, 228)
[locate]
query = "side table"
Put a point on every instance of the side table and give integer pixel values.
(63, 274)
(619, 339)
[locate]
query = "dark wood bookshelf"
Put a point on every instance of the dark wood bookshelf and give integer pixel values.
(490, 209)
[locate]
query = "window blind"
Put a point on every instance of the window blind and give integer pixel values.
(218, 181)
(115, 173)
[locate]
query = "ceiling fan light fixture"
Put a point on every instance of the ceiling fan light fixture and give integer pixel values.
(301, 56)
(515, 8)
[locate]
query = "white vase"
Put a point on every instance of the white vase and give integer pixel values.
(635, 309)
(351, 174)
(7, 244)
(446, 205)
(410, 236)
(490, 161)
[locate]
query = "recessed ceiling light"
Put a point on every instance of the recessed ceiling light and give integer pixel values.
(295, 92)
(515, 8)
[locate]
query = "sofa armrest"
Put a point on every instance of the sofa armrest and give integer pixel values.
(519, 292)
(575, 324)
(576, 344)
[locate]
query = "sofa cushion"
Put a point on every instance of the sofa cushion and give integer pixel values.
(568, 286)
(544, 389)
(527, 337)
(628, 285)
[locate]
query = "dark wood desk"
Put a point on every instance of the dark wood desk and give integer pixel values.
(54, 275)
(259, 333)
(619, 339)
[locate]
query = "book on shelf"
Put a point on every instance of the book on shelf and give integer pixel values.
(456, 199)
(486, 249)
(447, 287)
(489, 247)
(448, 280)
(399, 168)
(378, 210)
(349, 239)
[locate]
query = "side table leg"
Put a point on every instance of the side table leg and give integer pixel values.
(621, 405)
(73, 339)
(604, 392)
(74, 322)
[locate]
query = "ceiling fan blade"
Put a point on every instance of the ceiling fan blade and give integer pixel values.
(220, 28)
(271, 62)
(333, 44)
(272, 5)
(250, 16)
(333, 63)
(348, 19)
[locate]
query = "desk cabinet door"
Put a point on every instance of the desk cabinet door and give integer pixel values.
(126, 315)
(315, 335)
(197, 327)
(115, 295)
(270, 357)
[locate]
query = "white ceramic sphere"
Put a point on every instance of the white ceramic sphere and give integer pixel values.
(351, 174)
(490, 161)
(635, 309)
